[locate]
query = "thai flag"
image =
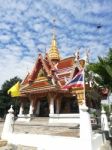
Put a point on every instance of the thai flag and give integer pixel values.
(77, 81)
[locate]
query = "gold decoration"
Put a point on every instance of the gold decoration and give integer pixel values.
(53, 52)
(42, 79)
(79, 93)
(41, 73)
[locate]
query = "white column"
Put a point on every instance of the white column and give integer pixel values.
(21, 109)
(51, 105)
(104, 121)
(8, 125)
(38, 108)
(85, 128)
(31, 108)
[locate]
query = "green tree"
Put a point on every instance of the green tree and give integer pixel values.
(5, 99)
(102, 73)
(104, 69)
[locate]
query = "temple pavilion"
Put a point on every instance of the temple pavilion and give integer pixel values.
(42, 91)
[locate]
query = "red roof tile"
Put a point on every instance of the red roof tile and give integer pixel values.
(65, 63)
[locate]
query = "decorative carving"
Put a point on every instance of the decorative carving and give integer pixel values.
(41, 73)
(79, 93)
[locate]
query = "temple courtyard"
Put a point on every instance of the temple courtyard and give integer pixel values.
(41, 126)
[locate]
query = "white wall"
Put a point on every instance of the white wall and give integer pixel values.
(48, 142)
(64, 118)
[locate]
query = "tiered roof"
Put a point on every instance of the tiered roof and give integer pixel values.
(50, 73)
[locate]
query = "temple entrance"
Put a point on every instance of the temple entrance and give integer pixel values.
(44, 108)
(69, 105)
(26, 106)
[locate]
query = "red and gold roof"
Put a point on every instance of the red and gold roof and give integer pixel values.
(49, 76)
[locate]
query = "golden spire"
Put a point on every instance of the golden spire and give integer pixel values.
(53, 52)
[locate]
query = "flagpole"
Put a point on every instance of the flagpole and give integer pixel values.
(84, 87)
(86, 63)
(83, 105)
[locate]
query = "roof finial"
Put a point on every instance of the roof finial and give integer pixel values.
(77, 55)
(53, 52)
(54, 30)
(11, 109)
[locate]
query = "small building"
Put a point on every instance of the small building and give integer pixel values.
(42, 89)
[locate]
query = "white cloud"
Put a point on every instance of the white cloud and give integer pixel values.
(11, 66)
(4, 38)
(26, 29)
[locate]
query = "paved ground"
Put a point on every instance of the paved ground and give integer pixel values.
(41, 126)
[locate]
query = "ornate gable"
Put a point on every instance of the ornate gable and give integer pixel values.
(41, 68)
(40, 77)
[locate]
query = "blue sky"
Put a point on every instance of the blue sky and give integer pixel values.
(26, 29)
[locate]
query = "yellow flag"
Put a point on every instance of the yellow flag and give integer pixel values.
(14, 90)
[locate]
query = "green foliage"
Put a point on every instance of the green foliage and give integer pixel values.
(5, 99)
(104, 69)
(100, 73)
(107, 108)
